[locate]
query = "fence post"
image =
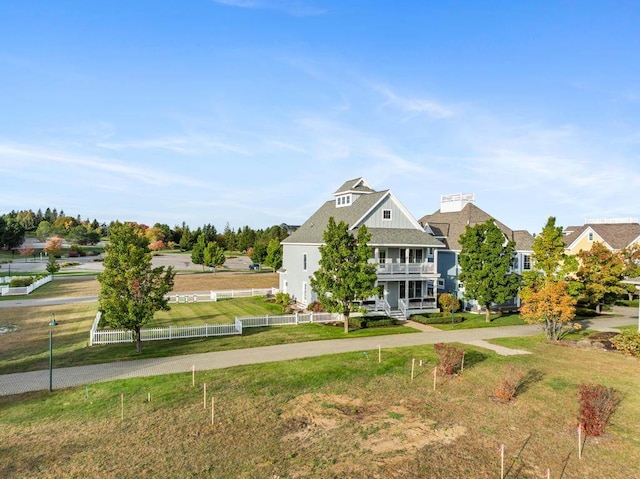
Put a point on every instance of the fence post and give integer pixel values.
(311, 317)
(296, 313)
(267, 320)
(170, 333)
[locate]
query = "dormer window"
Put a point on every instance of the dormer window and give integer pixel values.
(343, 200)
(590, 236)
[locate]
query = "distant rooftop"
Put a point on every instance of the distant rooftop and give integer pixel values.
(602, 221)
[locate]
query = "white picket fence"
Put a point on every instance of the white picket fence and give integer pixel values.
(217, 295)
(108, 336)
(7, 291)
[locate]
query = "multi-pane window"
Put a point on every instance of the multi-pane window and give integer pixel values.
(526, 262)
(386, 214)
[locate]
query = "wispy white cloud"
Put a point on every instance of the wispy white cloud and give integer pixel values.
(412, 105)
(36, 157)
(192, 145)
(297, 8)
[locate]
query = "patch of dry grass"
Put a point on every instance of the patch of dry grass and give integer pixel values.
(341, 416)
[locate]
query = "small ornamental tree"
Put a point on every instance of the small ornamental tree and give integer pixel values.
(486, 262)
(600, 273)
(448, 303)
(213, 256)
(345, 274)
(131, 290)
(52, 265)
(597, 404)
(26, 251)
(631, 260)
(53, 246)
(549, 304)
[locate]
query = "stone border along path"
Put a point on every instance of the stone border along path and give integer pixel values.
(83, 375)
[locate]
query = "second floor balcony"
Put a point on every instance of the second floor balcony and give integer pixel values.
(389, 268)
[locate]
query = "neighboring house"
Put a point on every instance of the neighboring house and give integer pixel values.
(405, 253)
(457, 211)
(615, 233)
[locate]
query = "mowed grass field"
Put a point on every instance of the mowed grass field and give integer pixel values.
(27, 347)
(338, 416)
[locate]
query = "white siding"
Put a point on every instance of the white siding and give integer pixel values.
(398, 218)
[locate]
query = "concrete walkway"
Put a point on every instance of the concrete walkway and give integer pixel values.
(81, 375)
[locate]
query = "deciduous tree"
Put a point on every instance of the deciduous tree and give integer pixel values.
(274, 254)
(600, 273)
(213, 255)
(345, 274)
(131, 290)
(486, 262)
(53, 246)
(549, 304)
(631, 260)
(197, 253)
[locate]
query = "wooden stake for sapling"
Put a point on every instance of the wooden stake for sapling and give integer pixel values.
(148, 397)
(462, 365)
(413, 367)
(205, 395)
(435, 373)
(548, 473)
(213, 405)
(122, 406)
(502, 461)
(580, 441)
(193, 375)
(379, 354)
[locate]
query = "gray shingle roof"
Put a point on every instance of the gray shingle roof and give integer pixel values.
(350, 185)
(312, 230)
(617, 235)
(451, 225)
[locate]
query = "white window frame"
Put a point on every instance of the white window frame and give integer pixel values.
(390, 215)
(526, 262)
(590, 236)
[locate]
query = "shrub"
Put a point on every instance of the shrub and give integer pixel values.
(437, 318)
(628, 342)
(315, 307)
(507, 386)
(449, 358)
(585, 312)
(75, 251)
(597, 404)
(21, 282)
(283, 298)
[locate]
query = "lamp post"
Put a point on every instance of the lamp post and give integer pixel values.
(52, 323)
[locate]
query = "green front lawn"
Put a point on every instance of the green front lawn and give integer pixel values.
(472, 321)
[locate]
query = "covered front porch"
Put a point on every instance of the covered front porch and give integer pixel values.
(401, 299)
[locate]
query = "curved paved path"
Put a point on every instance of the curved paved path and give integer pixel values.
(81, 375)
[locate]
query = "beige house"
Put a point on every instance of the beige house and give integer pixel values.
(616, 234)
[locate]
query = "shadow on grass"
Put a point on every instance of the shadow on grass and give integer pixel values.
(518, 458)
(532, 377)
(473, 357)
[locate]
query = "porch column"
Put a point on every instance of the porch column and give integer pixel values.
(406, 256)
(376, 254)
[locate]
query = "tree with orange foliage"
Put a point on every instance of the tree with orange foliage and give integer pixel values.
(549, 304)
(53, 246)
(26, 251)
(600, 273)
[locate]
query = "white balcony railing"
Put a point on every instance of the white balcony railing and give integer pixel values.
(405, 268)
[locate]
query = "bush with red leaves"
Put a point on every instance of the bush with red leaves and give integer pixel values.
(449, 358)
(597, 404)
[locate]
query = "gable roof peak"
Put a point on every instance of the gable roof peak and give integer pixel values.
(356, 185)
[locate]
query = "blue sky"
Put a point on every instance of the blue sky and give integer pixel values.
(255, 111)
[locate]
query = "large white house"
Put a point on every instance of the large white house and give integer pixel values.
(404, 253)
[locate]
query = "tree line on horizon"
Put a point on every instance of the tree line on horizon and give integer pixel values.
(16, 225)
